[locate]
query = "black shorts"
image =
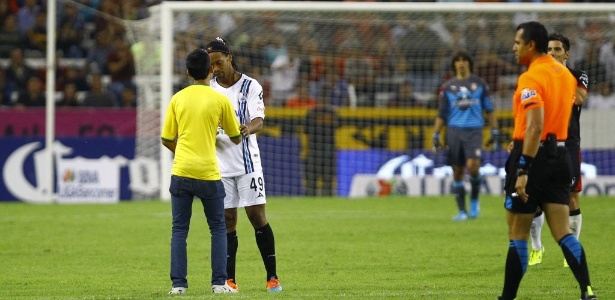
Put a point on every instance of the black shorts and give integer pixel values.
(576, 184)
(463, 144)
(548, 180)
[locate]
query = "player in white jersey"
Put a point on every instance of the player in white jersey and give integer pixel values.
(240, 165)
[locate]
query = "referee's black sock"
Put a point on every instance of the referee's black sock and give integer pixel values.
(266, 245)
(231, 254)
(575, 256)
(516, 264)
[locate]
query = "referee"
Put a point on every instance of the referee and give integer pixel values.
(538, 170)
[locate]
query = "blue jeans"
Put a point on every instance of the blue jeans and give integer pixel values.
(183, 190)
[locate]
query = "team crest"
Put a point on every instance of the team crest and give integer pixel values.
(527, 94)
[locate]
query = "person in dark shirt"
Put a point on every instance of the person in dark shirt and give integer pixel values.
(33, 95)
(99, 96)
(559, 48)
(320, 164)
(69, 96)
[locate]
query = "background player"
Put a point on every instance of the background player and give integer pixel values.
(462, 101)
(240, 165)
(559, 48)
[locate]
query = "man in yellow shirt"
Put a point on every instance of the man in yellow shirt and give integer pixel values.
(190, 127)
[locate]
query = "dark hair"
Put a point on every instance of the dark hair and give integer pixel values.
(218, 45)
(198, 64)
(462, 54)
(535, 31)
(559, 37)
(221, 45)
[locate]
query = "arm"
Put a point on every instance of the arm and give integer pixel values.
(170, 144)
(533, 132)
(438, 125)
(236, 139)
(580, 96)
(531, 141)
(255, 126)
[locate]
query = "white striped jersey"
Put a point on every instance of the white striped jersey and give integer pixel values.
(246, 95)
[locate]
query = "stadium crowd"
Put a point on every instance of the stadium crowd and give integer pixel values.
(399, 62)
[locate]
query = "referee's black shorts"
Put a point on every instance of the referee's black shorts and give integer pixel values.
(548, 180)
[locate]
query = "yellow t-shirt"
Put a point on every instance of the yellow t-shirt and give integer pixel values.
(193, 117)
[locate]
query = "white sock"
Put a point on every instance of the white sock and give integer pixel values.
(575, 224)
(536, 231)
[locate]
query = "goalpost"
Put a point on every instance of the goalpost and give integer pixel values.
(392, 45)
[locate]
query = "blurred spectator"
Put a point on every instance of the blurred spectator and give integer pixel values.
(335, 88)
(18, 72)
(70, 34)
(359, 71)
(607, 59)
(76, 76)
(99, 96)
(105, 20)
(302, 99)
(11, 36)
(491, 67)
(88, 15)
(121, 65)
(99, 52)
(312, 65)
(591, 64)
(134, 10)
(36, 37)
(423, 48)
(284, 75)
(5, 90)
(128, 98)
(404, 96)
(33, 95)
(26, 16)
(275, 47)
(601, 96)
(69, 96)
(5, 11)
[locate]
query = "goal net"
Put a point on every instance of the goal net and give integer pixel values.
(372, 69)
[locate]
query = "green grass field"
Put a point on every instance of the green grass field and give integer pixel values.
(327, 248)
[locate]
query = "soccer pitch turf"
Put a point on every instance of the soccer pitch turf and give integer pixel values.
(327, 248)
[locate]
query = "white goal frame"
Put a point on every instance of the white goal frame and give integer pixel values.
(167, 8)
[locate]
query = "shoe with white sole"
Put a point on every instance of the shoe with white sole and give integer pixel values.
(178, 290)
(223, 289)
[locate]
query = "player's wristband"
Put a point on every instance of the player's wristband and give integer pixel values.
(521, 172)
(525, 162)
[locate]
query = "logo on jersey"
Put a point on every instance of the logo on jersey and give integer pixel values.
(527, 94)
(464, 98)
(584, 80)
